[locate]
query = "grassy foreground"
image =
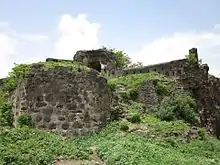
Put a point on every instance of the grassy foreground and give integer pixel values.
(144, 140)
(155, 145)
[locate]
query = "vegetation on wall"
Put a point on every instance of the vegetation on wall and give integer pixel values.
(142, 138)
(10, 84)
(123, 61)
(174, 104)
(74, 66)
(132, 82)
(192, 59)
(177, 107)
(18, 73)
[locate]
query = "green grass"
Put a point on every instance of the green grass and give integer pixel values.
(24, 145)
(133, 81)
(74, 66)
(160, 143)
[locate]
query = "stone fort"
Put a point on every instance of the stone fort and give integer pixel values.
(95, 59)
(78, 103)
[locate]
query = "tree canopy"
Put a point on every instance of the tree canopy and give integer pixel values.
(123, 61)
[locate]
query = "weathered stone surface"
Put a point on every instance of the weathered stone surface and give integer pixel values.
(218, 125)
(79, 102)
(63, 101)
(147, 93)
(206, 91)
(94, 59)
(173, 68)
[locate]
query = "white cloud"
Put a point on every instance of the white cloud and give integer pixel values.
(8, 46)
(11, 44)
(76, 33)
(32, 37)
(177, 46)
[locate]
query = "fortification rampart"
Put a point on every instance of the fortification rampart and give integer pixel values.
(172, 68)
(63, 101)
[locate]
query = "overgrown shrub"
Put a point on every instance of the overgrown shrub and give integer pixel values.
(202, 134)
(192, 59)
(164, 88)
(10, 84)
(124, 126)
(18, 72)
(133, 93)
(25, 120)
(135, 118)
(6, 114)
(177, 107)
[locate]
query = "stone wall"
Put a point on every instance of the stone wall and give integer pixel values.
(62, 101)
(94, 59)
(205, 90)
(147, 93)
(173, 68)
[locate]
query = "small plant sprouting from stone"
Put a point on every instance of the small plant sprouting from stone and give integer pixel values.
(135, 118)
(192, 59)
(25, 120)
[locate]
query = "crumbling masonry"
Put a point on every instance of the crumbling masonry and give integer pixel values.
(78, 103)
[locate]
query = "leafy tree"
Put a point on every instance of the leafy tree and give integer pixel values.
(122, 59)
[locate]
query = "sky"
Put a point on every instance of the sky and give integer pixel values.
(149, 31)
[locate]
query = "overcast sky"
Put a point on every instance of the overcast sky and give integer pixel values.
(150, 31)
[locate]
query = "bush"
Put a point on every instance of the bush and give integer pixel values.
(6, 114)
(25, 120)
(164, 88)
(177, 107)
(124, 126)
(133, 93)
(202, 134)
(136, 118)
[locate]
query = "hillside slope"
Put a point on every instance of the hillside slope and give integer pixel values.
(136, 135)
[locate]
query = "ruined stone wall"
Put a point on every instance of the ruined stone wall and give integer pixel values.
(214, 91)
(92, 58)
(196, 80)
(214, 87)
(173, 68)
(147, 93)
(62, 101)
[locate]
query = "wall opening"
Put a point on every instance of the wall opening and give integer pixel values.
(95, 65)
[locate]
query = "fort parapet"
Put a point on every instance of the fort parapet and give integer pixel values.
(102, 59)
(173, 68)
